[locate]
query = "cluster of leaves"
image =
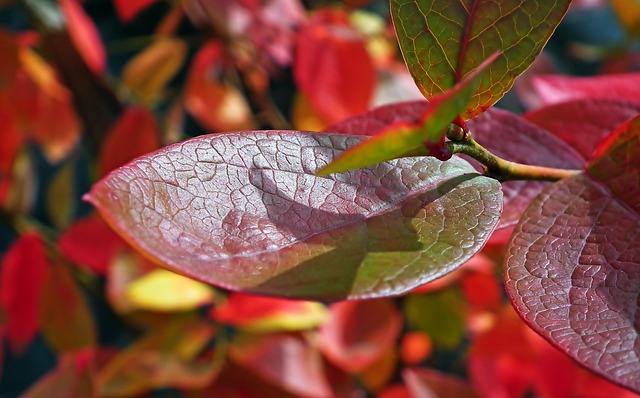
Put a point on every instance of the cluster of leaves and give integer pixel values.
(418, 233)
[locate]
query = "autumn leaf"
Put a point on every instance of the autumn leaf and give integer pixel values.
(85, 35)
(571, 269)
(444, 41)
(244, 211)
(128, 9)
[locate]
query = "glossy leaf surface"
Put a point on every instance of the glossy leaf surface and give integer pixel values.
(554, 89)
(244, 211)
(572, 268)
(442, 41)
(398, 140)
(503, 133)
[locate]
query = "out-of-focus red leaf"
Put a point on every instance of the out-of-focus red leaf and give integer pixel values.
(134, 134)
(429, 383)
(482, 290)
(85, 35)
(128, 9)
(443, 41)
(553, 89)
(244, 211)
(91, 243)
(22, 276)
(65, 317)
(584, 123)
(12, 140)
(404, 138)
(395, 391)
(572, 267)
(268, 314)
(216, 104)
(415, 347)
(286, 361)
(501, 361)
(332, 67)
(502, 133)
(149, 71)
(357, 333)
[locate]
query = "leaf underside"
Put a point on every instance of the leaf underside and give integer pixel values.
(244, 211)
(442, 41)
(573, 266)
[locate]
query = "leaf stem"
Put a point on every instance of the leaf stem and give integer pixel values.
(501, 169)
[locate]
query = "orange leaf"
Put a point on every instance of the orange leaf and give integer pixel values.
(22, 276)
(415, 347)
(217, 105)
(147, 74)
(134, 134)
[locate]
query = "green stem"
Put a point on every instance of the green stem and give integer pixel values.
(504, 170)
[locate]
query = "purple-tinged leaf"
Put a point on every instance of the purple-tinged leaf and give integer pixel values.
(573, 266)
(244, 211)
(501, 132)
(407, 138)
(442, 41)
(584, 123)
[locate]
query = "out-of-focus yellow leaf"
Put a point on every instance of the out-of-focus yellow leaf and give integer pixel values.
(162, 290)
(61, 196)
(311, 315)
(629, 13)
(147, 74)
(378, 374)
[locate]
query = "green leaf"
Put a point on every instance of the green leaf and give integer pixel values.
(439, 314)
(442, 41)
(408, 139)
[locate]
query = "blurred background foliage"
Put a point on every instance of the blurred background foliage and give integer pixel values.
(86, 86)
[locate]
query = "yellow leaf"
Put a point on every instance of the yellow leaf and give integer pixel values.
(147, 74)
(310, 315)
(629, 13)
(162, 290)
(43, 75)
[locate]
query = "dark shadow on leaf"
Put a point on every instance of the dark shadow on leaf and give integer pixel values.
(351, 238)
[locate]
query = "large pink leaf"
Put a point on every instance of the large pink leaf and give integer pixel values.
(244, 211)
(501, 132)
(553, 89)
(584, 123)
(442, 41)
(572, 270)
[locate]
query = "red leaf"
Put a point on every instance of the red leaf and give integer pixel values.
(23, 273)
(85, 35)
(572, 268)
(501, 362)
(128, 9)
(12, 141)
(501, 132)
(72, 377)
(429, 383)
(482, 290)
(10, 60)
(584, 123)
(553, 89)
(286, 361)
(244, 211)
(357, 333)
(136, 133)
(332, 67)
(415, 347)
(91, 243)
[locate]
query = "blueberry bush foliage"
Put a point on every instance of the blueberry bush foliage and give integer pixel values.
(276, 198)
